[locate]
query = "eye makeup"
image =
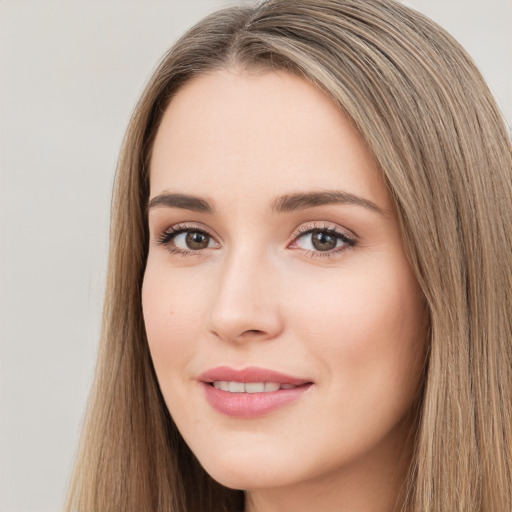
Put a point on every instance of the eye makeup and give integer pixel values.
(316, 239)
(321, 240)
(187, 240)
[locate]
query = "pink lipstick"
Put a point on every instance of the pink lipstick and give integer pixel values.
(250, 392)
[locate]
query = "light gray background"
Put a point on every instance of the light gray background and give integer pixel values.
(70, 74)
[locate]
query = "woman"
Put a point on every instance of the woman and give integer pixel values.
(308, 302)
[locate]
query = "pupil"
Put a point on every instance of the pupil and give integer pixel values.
(197, 240)
(322, 241)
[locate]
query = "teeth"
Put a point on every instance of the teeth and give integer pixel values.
(254, 387)
(250, 387)
(236, 387)
(221, 384)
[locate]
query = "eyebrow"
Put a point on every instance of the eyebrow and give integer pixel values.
(184, 201)
(281, 204)
(302, 201)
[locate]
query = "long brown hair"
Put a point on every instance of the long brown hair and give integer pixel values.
(442, 145)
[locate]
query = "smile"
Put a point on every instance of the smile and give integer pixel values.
(251, 392)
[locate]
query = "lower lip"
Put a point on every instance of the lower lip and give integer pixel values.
(251, 405)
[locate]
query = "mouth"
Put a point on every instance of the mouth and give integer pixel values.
(251, 392)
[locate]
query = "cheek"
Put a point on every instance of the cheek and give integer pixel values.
(173, 314)
(367, 329)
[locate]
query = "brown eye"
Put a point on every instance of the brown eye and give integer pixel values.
(323, 241)
(184, 240)
(196, 240)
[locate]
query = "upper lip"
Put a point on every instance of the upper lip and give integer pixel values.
(250, 374)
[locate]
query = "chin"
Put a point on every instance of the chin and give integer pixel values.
(246, 481)
(244, 472)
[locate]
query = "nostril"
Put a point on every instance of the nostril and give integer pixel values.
(252, 331)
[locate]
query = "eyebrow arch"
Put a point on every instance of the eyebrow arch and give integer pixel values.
(301, 201)
(183, 201)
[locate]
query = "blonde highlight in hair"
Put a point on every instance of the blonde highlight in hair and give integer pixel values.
(441, 143)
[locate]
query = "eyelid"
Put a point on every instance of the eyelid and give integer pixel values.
(324, 226)
(350, 240)
(165, 236)
(185, 226)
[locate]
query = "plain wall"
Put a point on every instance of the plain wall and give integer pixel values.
(70, 74)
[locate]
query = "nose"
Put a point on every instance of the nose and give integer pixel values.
(245, 305)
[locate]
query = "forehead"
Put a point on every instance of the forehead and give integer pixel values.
(270, 132)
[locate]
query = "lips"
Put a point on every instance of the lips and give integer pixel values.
(250, 392)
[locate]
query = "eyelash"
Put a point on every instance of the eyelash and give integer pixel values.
(348, 241)
(167, 237)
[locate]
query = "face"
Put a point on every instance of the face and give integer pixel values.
(285, 324)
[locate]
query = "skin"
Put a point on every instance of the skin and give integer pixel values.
(352, 320)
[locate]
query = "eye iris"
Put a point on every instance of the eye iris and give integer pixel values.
(323, 241)
(196, 240)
